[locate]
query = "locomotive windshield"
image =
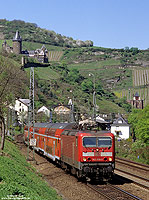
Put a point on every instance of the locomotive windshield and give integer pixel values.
(104, 142)
(89, 141)
(97, 142)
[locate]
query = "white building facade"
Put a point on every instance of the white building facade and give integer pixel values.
(21, 105)
(45, 110)
(21, 108)
(120, 128)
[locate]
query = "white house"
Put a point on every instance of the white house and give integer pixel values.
(21, 107)
(120, 128)
(45, 110)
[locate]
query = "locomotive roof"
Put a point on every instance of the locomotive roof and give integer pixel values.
(75, 132)
(55, 125)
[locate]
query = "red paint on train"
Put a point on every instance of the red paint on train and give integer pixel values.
(86, 153)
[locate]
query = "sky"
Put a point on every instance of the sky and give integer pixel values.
(108, 23)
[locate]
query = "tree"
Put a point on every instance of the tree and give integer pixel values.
(11, 86)
(124, 104)
(87, 86)
(74, 76)
(139, 119)
(99, 89)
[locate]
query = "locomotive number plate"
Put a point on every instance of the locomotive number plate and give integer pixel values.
(97, 154)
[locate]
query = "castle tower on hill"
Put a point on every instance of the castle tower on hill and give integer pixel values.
(17, 43)
(40, 54)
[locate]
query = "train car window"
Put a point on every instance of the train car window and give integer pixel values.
(89, 142)
(51, 131)
(104, 141)
(66, 132)
(26, 128)
(47, 131)
(36, 130)
(72, 133)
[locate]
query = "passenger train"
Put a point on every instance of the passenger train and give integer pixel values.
(86, 153)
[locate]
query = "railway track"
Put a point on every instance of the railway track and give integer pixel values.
(112, 192)
(109, 191)
(138, 173)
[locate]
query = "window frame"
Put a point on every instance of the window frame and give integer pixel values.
(97, 141)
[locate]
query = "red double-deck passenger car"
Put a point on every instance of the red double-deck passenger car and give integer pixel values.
(83, 152)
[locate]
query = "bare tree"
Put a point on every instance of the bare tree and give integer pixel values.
(12, 80)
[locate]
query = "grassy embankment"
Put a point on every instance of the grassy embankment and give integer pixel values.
(17, 177)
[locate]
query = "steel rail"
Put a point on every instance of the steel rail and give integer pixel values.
(123, 191)
(130, 161)
(136, 165)
(135, 176)
(117, 193)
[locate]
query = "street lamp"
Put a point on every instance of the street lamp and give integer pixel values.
(94, 97)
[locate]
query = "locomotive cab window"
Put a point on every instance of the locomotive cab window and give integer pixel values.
(97, 142)
(89, 142)
(104, 142)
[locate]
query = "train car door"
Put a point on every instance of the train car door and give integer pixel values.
(37, 142)
(44, 144)
(54, 148)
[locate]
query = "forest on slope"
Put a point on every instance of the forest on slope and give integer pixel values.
(32, 33)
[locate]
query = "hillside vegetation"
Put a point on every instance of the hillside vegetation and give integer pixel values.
(19, 179)
(138, 150)
(32, 33)
(116, 71)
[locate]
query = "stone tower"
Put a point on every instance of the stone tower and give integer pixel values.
(17, 43)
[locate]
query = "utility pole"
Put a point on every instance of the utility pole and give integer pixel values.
(31, 110)
(94, 97)
(72, 107)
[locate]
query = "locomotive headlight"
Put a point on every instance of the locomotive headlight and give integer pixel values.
(84, 159)
(110, 159)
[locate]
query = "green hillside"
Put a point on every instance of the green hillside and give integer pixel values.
(118, 73)
(19, 178)
(32, 33)
(53, 83)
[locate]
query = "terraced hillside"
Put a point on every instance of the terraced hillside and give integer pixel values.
(55, 55)
(140, 77)
(129, 93)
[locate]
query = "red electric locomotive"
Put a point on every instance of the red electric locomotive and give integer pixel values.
(85, 153)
